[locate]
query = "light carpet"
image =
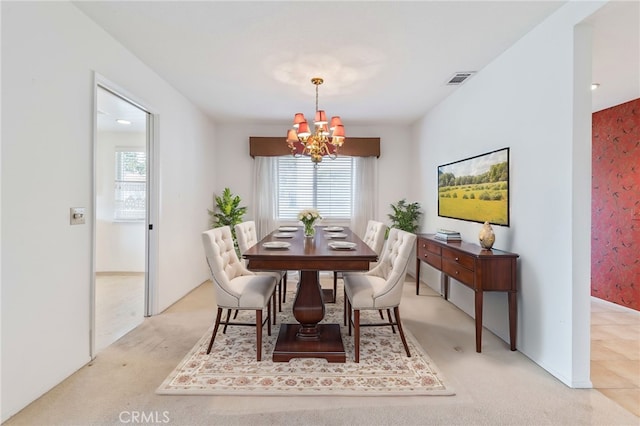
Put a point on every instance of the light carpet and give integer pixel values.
(231, 368)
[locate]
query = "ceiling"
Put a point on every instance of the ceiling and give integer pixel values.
(382, 62)
(112, 108)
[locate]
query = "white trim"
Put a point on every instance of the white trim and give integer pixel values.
(614, 306)
(92, 222)
(153, 214)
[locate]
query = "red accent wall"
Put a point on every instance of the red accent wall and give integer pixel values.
(615, 205)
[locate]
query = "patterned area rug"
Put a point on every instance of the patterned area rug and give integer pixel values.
(231, 368)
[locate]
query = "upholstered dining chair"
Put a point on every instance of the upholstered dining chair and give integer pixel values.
(235, 286)
(374, 238)
(381, 287)
(247, 238)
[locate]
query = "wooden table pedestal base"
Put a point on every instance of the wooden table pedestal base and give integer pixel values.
(329, 346)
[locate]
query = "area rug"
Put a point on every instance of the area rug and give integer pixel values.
(232, 369)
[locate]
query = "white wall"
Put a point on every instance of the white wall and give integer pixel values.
(120, 246)
(234, 166)
(50, 51)
(525, 100)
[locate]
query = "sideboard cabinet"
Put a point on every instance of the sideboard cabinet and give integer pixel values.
(477, 268)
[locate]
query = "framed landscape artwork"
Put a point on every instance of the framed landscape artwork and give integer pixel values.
(476, 188)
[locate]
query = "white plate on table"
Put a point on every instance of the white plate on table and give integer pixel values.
(334, 228)
(283, 235)
(342, 245)
(336, 235)
(276, 245)
(288, 229)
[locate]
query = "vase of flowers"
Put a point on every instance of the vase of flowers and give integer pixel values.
(308, 218)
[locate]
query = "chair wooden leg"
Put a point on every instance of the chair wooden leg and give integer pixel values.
(279, 297)
(284, 287)
(268, 317)
(235, 314)
(349, 315)
(381, 314)
(224, 330)
(335, 286)
(344, 310)
(259, 334)
(215, 330)
(273, 298)
(390, 321)
(396, 312)
(356, 332)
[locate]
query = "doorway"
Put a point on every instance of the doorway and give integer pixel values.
(121, 230)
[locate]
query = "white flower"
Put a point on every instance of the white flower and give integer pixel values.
(309, 215)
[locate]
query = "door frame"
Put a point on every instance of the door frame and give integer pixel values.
(152, 203)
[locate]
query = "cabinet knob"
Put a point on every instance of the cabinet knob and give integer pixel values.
(426, 255)
(457, 272)
(424, 245)
(457, 258)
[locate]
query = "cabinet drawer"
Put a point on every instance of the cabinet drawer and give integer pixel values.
(430, 253)
(429, 257)
(426, 245)
(459, 258)
(455, 271)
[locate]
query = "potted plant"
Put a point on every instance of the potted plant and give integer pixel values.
(227, 211)
(405, 216)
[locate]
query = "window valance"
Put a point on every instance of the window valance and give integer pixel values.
(260, 146)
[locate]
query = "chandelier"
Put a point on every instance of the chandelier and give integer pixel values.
(326, 139)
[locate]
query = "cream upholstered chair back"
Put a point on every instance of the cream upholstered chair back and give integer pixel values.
(374, 238)
(246, 234)
(381, 287)
(374, 235)
(247, 237)
(392, 268)
(224, 265)
(235, 286)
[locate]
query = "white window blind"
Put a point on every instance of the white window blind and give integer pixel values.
(130, 185)
(328, 187)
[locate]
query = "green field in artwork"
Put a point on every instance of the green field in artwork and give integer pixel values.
(477, 202)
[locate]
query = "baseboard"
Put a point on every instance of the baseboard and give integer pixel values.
(120, 273)
(614, 305)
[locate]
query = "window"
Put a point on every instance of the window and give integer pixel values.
(327, 187)
(130, 185)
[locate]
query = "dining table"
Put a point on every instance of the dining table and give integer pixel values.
(330, 249)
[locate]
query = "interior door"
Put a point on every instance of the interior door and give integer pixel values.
(122, 182)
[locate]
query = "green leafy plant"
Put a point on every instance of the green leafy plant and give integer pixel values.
(227, 212)
(405, 216)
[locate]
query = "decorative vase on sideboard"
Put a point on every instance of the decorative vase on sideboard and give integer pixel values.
(486, 236)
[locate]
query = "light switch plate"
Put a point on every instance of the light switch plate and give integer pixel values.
(76, 215)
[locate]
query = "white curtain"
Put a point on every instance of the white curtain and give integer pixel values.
(365, 193)
(264, 202)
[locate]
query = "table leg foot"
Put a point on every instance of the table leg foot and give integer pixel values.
(329, 345)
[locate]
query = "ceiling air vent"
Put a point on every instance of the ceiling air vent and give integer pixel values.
(459, 78)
